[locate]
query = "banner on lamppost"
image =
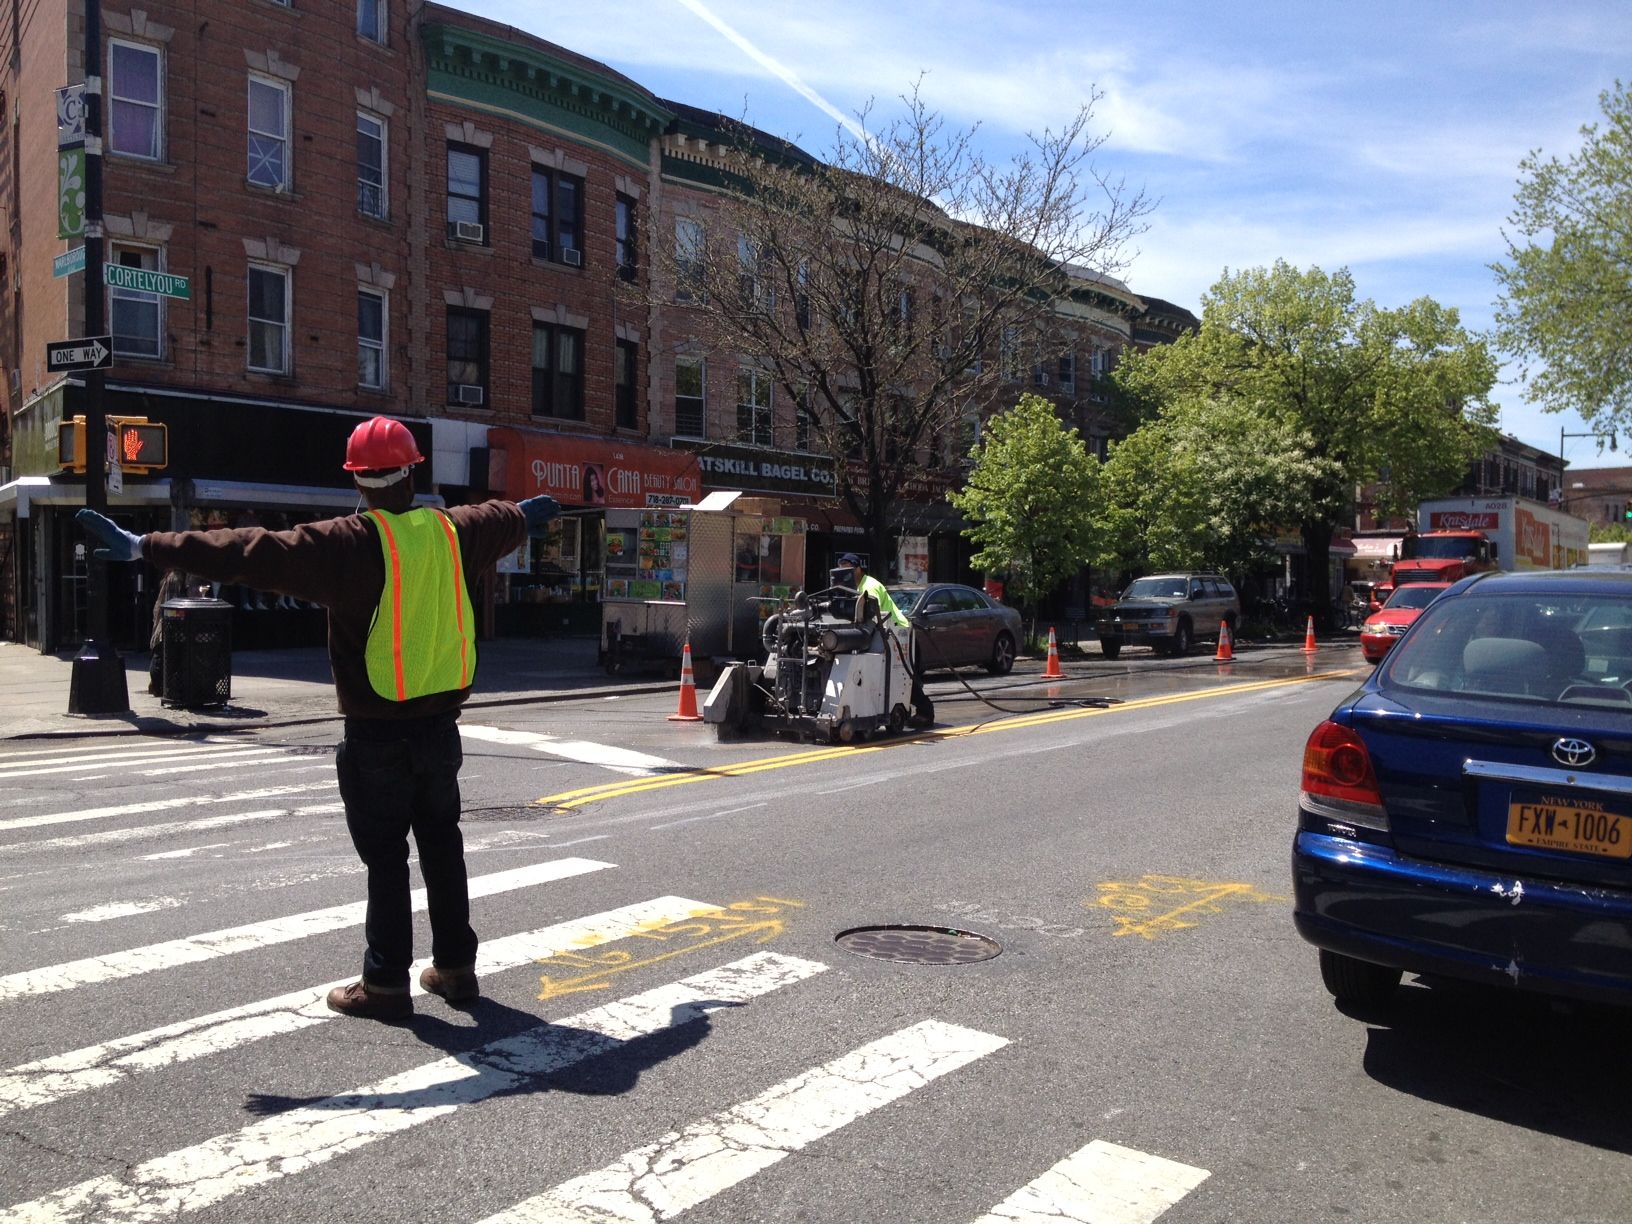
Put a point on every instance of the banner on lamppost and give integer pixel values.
(71, 161)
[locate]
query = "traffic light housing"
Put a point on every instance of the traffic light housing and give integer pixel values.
(1626, 512)
(141, 445)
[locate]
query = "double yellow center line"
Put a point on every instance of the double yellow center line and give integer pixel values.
(568, 800)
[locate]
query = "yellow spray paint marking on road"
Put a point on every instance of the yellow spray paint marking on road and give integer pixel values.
(1156, 905)
(567, 800)
(758, 920)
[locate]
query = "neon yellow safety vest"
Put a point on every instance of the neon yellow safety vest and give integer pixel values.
(423, 637)
(872, 586)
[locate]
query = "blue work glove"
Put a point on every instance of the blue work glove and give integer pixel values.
(538, 512)
(120, 544)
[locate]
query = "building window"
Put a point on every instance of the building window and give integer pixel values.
(467, 357)
(135, 320)
(371, 316)
(754, 407)
(690, 397)
(135, 99)
(1068, 373)
(268, 319)
(758, 293)
(370, 165)
(558, 372)
(558, 217)
(625, 371)
(689, 247)
(467, 194)
(268, 133)
(1008, 358)
(371, 20)
(801, 296)
(804, 421)
(625, 247)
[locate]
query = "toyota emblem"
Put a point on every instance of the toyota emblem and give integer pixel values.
(1573, 752)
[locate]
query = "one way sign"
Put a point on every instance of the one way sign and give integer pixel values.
(88, 353)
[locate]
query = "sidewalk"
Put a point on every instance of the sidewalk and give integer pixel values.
(281, 688)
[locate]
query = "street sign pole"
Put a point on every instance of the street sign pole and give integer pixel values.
(97, 685)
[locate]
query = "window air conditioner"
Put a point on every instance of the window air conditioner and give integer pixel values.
(572, 257)
(470, 393)
(468, 231)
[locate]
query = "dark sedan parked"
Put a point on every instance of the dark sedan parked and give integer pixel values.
(958, 626)
(1467, 812)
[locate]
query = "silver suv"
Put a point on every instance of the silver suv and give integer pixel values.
(1169, 612)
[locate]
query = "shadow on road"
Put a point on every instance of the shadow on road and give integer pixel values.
(1521, 1059)
(504, 1043)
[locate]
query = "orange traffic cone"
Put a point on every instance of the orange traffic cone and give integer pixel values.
(1052, 671)
(688, 691)
(1309, 646)
(1226, 647)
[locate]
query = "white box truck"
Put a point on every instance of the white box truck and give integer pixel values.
(1522, 534)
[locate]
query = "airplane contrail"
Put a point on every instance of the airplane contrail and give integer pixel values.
(783, 73)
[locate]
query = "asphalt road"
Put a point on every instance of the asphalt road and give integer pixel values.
(676, 909)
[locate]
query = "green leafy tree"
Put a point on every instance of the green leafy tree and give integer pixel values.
(1204, 485)
(1031, 500)
(1565, 309)
(1307, 393)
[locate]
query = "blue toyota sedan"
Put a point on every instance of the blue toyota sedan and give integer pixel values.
(1467, 812)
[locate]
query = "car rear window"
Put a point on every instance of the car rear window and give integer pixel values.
(1414, 597)
(1536, 648)
(1157, 588)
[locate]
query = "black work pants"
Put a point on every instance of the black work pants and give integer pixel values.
(396, 777)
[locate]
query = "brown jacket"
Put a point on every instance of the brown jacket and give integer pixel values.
(338, 563)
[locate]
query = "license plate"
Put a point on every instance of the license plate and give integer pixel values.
(1574, 825)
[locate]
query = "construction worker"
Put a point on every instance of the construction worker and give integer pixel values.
(396, 581)
(868, 587)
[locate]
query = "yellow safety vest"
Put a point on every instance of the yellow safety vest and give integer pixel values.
(423, 636)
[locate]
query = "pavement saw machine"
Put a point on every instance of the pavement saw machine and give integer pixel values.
(835, 671)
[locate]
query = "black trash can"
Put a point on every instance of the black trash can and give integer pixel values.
(197, 636)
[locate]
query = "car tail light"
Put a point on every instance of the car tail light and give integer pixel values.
(1338, 780)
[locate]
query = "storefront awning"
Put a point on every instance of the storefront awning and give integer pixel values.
(589, 471)
(252, 493)
(17, 496)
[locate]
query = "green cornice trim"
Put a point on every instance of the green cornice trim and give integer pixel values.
(531, 86)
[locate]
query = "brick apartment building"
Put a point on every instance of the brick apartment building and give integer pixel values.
(392, 206)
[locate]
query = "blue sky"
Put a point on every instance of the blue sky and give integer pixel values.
(1384, 137)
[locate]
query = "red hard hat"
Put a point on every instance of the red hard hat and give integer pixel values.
(381, 442)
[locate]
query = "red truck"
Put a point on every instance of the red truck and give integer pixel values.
(1442, 556)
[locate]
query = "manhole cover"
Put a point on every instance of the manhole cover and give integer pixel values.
(918, 945)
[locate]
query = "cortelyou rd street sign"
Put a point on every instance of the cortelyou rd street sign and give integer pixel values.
(140, 280)
(88, 353)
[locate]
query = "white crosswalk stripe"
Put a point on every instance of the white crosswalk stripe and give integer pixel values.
(1102, 1183)
(206, 1173)
(193, 949)
(127, 761)
(687, 1167)
(161, 805)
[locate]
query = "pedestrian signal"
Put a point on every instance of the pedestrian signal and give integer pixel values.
(140, 445)
(1626, 512)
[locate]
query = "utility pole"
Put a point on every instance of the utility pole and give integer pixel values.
(97, 685)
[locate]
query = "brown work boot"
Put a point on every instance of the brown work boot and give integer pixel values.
(361, 999)
(454, 985)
